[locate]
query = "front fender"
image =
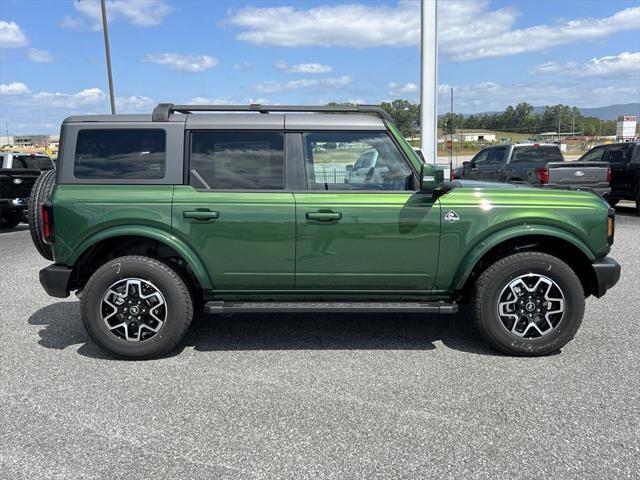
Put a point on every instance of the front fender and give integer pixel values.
(489, 242)
(152, 233)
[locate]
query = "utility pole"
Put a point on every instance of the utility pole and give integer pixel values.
(105, 29)
(453, 126)
(559, 117)
(429, 80)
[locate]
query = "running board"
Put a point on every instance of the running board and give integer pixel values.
(336, 307)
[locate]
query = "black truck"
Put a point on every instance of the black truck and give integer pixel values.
(537, 164)
(18, 173)
(624, 161)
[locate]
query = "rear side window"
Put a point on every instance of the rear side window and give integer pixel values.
(552, 154)
(237, 160)
(527, 155)
(120, 154)
(33, 162)
(620, 153)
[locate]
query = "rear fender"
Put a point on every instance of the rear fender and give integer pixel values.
(152, 233)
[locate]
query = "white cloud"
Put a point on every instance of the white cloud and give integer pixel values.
(242, 66)
(396, 88)
(467, 30)
(226, 101)
(134, 103)
(141, 13)
(308, 68)
(182, 63)
(491, 96)
(11, 35)
(323, 83)
(84, 98)
(627, 64)
(40, 56)
(14, 88)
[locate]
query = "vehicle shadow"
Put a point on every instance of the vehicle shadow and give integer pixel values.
(18, 228)
(63, 328)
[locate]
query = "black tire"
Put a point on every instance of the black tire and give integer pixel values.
(638, 204)
(10, 220)
(176, 294)
(613, 201)
(493, 283)
(40, 193)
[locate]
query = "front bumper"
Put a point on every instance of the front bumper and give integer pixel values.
(55, 280)
(607, 274)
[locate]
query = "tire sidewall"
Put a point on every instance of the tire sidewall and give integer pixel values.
(571, 288)
(178, 310)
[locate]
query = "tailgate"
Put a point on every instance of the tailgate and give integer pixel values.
(17, 182)
(579, 174)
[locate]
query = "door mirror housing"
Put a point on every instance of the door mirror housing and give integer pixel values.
(431, 177)
(349, 168)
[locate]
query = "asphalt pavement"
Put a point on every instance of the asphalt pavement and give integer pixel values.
(316, 396)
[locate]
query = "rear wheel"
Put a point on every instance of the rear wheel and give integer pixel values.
(528, 304)
(40, 193)
(136, 307)
(613, 201)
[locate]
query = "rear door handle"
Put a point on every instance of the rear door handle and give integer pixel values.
(201, 215)
(324, 216)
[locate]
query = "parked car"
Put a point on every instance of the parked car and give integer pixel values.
(18, 172)
(624, 161)
(154, 216)
(537, 164)
(367, 169)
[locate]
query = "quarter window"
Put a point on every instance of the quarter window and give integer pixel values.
(354, 161)
(237, 160)
(120, 154)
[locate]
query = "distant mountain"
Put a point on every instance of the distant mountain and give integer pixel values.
(610, 112)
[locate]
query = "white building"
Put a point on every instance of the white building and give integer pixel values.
(478, 137)
(626, 127)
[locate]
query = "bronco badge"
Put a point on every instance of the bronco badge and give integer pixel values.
(451, 216)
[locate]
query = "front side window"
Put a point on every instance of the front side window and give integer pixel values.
(120, 154)
(595, 155)
(237, 160)
(481, 157)
(355, 161)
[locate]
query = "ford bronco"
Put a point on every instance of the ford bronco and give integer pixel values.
(257, 209)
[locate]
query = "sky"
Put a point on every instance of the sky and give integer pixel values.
(493, 53)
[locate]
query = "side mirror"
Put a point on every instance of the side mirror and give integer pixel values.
(466, 164)
(431, 177)
(349, 168)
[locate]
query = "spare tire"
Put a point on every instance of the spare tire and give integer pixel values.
(40, 193)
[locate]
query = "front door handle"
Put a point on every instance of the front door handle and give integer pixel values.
(201, 215)
(324, 216)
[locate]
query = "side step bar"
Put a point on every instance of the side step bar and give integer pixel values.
(336, 307)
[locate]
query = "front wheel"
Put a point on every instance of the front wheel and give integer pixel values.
(10, 220)
(528, 304)
(136, 307)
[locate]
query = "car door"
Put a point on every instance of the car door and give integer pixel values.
(474, 170)
(492, 168)
(372, 235)
(619, 157)
(235, 211)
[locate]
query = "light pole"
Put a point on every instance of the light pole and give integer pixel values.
(105, 29)
(429, 80)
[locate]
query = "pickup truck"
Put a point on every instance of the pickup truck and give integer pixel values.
(18, 173)
(624, 161)
(537, 164)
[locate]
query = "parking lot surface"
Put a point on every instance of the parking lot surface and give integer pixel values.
(316, 396)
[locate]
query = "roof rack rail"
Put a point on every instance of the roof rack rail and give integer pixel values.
(163, 111)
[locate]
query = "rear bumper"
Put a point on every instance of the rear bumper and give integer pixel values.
(55, 280)
(607, 273)
(603, 191)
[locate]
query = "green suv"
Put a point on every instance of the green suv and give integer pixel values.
(259, 209)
